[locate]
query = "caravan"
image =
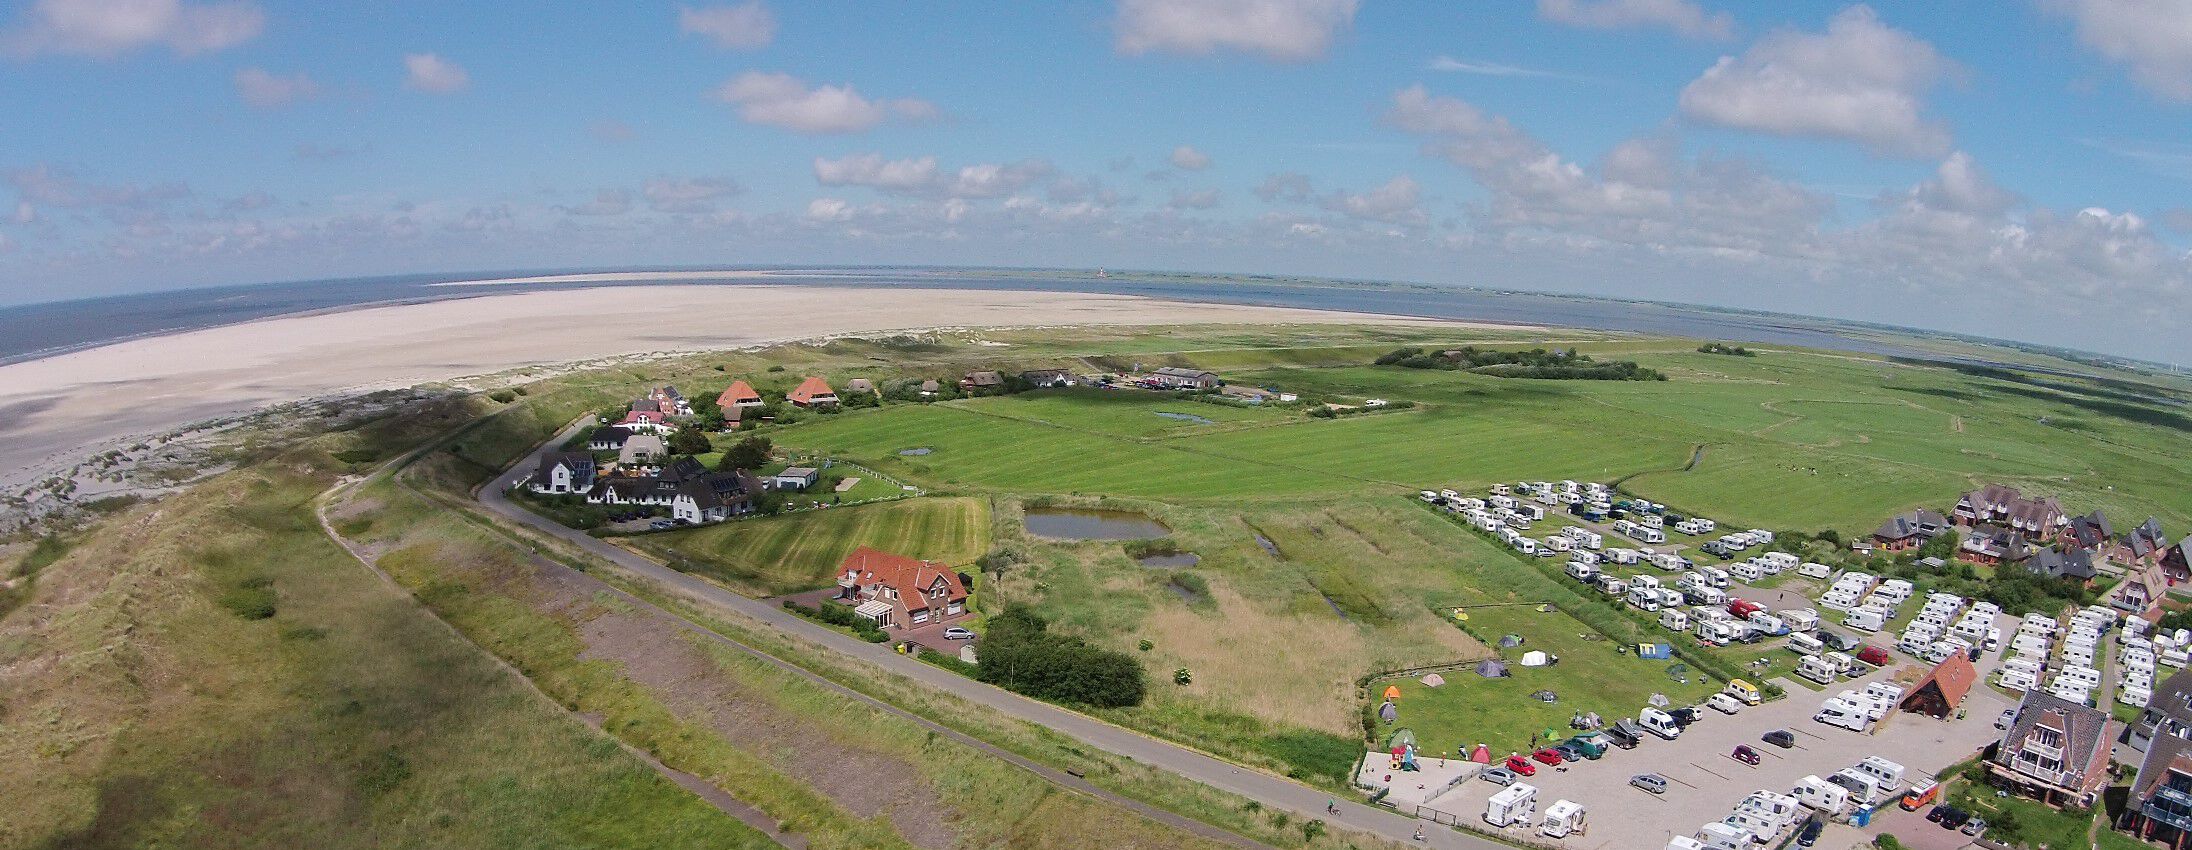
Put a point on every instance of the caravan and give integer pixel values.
(1864, 621)
(1817, 669)
(1815, 793)
(1514, 804)
(1803, 644)
(1674, 619)
(1565, 817)
(1886, 775)
(1581, 571)
(1862, 791)
(1800, 619)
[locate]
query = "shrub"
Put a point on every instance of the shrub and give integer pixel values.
(503, 396)
(1021, 654)
(252, 599)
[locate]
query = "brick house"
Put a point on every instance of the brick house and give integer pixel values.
(1999, 505)
(2056, 752)
(2160, 808)
(1908, 530)
(813, 392)
(898, 591)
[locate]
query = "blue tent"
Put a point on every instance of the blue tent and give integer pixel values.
(1655, 651)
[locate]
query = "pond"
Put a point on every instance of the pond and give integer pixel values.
(1169, 560)
(1090, 524)
(1186, 417)
(915, 452)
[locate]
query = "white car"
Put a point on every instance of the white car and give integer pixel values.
(2008, 718)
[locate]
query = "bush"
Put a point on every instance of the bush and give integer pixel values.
(842, 617)
(503, 396)
(252, 599)
(1021, 654)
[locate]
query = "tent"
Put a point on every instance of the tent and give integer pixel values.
(1491, 668)
(1546, 696)
(1392, 692)
(1658, 701)
(1388, 712)
(1401, 738)
(1433, 680)
(1536, 658)
(1655, 651)
(1481, 755)
(1510, 641)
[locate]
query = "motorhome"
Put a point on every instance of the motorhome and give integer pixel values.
(1643, 598)
(1669, 597)
(1804, 644)
(1816, 669)
(1514, 804)
(1843, 713)
(1717, 576)
(1718, 631)
(1864, 621)
(1674, 619)
(1743, 691)
(1658, 723)
(1563, 818)
(1886, 774)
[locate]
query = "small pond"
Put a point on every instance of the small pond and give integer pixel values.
(1090, 524)
(1186, 417)
(1169, 560)
(915, 452)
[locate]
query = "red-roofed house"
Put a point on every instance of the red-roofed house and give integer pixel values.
(740, 394)
(1943, 689)
(811, 392)
(894, 590)
(651, 421)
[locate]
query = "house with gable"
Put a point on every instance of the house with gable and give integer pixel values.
(2143, 543)
(2176, 561)
(1047, 378)
(2066, 561)
(2160, 807)
(608, 438)
(713, 497)
(1181, 378)
(2092, 532)
(2056, 752)
(2000, 505)
(2168, 712)
(671, 402)
(1993, 545)
(564, 472)
(739, 394)
(813, 392)
(896, 591)
(1909, 530)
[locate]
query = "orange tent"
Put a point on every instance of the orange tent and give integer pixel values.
(1392, 692)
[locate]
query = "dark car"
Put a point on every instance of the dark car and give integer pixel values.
(1683, 717)
(1809, 835)
(1782, 738)
(1569, 752)
(1743, 753)
(1622, 737)
(1947, 816)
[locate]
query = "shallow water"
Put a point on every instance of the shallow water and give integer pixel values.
(1169, 560)
(1089, 524)
(1185, 417)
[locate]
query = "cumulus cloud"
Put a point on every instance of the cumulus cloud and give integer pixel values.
(688, 195)
(744, 26)
(267, 90)
(605, 203)
(1860, 81)
(428, 72)
(1681, 16)
(1199, 199)
(785, 101)
(2153, 38)
(1187, 158)
(1283, 30)
(107, 28)
(1288, 186)
(1399, 201)
(922, 176)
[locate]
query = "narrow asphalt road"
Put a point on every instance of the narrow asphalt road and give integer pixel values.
(1273, 792)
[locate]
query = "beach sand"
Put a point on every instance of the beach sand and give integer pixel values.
(59, 410)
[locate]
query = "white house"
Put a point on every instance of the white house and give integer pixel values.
(795, 478)
(564, 472)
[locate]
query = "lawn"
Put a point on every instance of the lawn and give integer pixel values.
(1125, 413)
(768, 556)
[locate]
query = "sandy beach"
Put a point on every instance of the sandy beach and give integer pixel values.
(56, 411)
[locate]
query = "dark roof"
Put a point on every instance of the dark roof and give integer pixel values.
(717, 489)
(611, 434)
(985, 379)
(1043, 374)
(2174, 696)
(2085, 730)
(2068, 562)
(682, 468)
(1910, 524)
(2164, 753)
(1184, 372)
(579, 462)
(647, 404)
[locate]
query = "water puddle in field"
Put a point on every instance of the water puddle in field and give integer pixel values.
(915, 452)
(1269, 547)
(1186, 417)
(1186, 594)
(1328, 601)
(1169, 560)
(1091, 524)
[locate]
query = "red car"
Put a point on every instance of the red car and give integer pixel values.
(1743, 753)
(1548, 756)
(1873, 655)
(1521, 765)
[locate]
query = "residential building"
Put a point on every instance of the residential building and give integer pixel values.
(2168, 712)
(859, 386)
(898, 591)
(1047, 378)
(714, 497)
(983, 381)
(649, 421)
(2145, 543)
(929, 388)
(1993, 545)
(2093, 532)
(2066, 561)
(642, 449)
(668, 400)
(1996, 504)
(2055, 752)
(564, 472)
(739, 394)
(2161, 797)
(2140, 594)
(2176, 561)
(813, 392)
(608, 438)
(1180, 378)
(795, 478)
(1943, 689)
(1908, 530)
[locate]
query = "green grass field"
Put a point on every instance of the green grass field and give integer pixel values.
(801, 551)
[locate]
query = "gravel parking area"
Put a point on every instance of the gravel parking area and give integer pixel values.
(1705, 781)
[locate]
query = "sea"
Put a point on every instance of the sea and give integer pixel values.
(43, 330)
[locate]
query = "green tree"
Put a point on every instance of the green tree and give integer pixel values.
(749, 453)
(690, 441)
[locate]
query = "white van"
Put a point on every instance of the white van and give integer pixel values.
(1658, 723)
(1886, 774)
(1514, 804)
(1864, 621)
(1804, 644)
(1843, 713)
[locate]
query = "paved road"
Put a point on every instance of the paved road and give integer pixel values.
(1271, 791)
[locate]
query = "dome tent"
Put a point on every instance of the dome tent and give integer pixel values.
(1491, 668)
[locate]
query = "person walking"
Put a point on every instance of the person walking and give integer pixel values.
(1331, 805)
(1419, 832)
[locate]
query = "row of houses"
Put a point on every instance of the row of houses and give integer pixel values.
(691, 492)
(1999, 526)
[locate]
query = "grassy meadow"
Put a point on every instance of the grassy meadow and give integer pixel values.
(801, 551)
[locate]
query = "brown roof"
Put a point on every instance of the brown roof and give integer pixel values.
(810, 388)
(738, 391)
(1954, 677)
(912, 577)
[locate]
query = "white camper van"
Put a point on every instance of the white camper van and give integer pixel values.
(1564, 818)
(1514, 804)
(1658, 723)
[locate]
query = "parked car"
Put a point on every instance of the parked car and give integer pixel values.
(660, 524)
(1548, 756)
(1569, 752)
(1500, 776)
(1976, 826)
(1809, 835)
(957, 633)
(2008, 718)
(1743, 753)
(1521, 765)
(1874, 655)
(1955, 818)
(1683, 717)
(1782, 738)
(1651, 782)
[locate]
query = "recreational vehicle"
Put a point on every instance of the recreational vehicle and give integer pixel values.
(1842, 713)
(1658, 723)
(1887, 775)
(1514, 804)
(1862, 790)
(1816, 669)
(1581, 571)
(1864, 620)
(1804, 644)
(1674, 619)
(1563, 818)
(1813, 792)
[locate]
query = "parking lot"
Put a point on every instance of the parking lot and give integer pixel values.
(1705, 781)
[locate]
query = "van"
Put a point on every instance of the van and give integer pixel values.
(1514, 804)
(1921, 794)
(1658, 723)
(1723, 703)
(1744, 691)
(1806, 644)
(1886, 774)
(1625, 734)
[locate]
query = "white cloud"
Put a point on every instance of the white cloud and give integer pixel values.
(1682, 16)
(782, 100)
(922, 177)
(606, 202)
(688, 195)
(1187, 158)
(1451, 65)
(1290, 186)
(1399, 201)
(106, 28)
(431, 73)
(1284, 30)
(1200, 199)
(745, 26)
(2151, 37)
(266, 90)
(1860, 81)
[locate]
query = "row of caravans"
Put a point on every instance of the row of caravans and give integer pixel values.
(1872, 782)
(1516, 805)
(1857, 710)
(1756, 820)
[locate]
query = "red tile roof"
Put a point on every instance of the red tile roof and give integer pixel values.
(910, 576)
(810, 388)
(738, 391)
(1954, 677)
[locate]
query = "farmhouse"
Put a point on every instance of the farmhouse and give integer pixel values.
(642, 449)
(1996, 504)
(2161, 796)
(608, 438)
(1943, 689)
(564, 472)
(981, 381)
(795, 478)
(813, 392)
(897, 591)
(1908, 530)
(740, 394)
(1044, 379)
(1179, 378)
(2056, 752)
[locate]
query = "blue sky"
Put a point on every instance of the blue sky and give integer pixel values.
(2030, 177)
